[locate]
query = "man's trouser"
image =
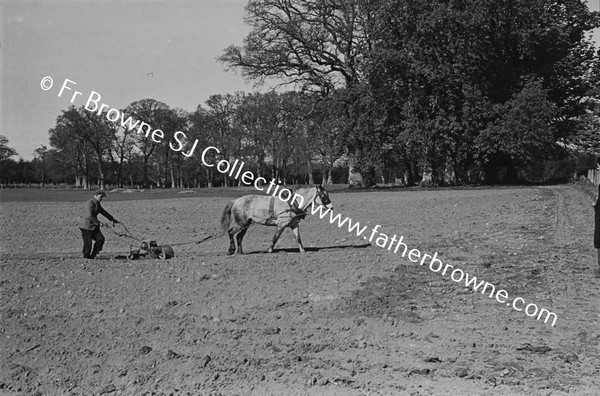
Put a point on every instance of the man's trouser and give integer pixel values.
(89, 236)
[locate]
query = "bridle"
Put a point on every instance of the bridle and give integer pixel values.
(323, 196)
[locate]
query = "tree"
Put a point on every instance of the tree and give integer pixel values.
(442, 69)
(199, 129)
(8, 166)
(151, 112)
(71, 146)
(254, 118)
(521, 133)
(178, 121)
(587, 136)
(318, 44)
(40, 157)
(94, 132)
(121, 155)
(219, 120)
(5, 151)
(325, 134)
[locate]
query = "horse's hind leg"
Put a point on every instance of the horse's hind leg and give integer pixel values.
(276, 238)
(239, 237)
(296, 231)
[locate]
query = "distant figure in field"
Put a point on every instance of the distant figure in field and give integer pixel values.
(597, 220)
(90, 225)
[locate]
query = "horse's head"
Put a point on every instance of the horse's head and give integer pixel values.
(323, 197)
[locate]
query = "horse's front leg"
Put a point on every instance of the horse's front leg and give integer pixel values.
(296, 231)
(231, 244)
(276, 237)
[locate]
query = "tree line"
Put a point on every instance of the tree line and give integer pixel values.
(424, 92)
(286, 136)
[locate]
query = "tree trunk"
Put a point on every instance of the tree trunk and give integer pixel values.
(101, 176)
(427, 180)
(410, 173)
(450, 177)
(311, 178)
(159, 181)
(77, 177)
(355, 178)
(120, 182)
(209, 178)
(407, 177)
(84, 170)
(173, 184)
(145, 170)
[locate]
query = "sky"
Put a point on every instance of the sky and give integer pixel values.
(124, 50)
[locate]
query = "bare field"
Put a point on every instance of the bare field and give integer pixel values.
(343, 319)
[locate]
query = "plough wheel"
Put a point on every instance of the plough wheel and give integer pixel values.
(166, 252)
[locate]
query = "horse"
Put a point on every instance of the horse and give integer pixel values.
(270, 211)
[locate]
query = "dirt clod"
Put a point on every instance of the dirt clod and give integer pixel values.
(204, 361)
(110, 388)
(462, 372)
(145, 350)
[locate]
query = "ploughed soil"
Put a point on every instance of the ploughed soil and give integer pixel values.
(346, 318)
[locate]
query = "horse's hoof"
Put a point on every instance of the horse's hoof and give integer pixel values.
(229, 253)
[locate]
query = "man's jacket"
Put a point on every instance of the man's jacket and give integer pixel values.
(89, 219)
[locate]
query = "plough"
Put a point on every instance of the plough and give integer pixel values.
(149, 247)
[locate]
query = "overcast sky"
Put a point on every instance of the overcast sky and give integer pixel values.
(125, 50)
(111, 47)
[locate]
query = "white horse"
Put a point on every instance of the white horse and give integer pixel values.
(270, 211)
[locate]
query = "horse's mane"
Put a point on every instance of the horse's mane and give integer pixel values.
(304, 190)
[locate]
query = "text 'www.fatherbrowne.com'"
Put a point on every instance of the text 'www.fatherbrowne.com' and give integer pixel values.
(396, 244)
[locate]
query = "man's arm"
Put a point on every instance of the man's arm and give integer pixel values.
(106, 214)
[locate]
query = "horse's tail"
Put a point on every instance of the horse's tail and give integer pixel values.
(226, 217)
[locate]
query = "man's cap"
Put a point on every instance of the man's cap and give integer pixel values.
(101, 193)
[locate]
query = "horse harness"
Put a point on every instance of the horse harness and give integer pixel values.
(298, 212)
(294, 208)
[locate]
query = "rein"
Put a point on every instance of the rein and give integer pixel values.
(128, 234)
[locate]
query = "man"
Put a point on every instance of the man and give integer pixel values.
(90, 225)
(597, 221)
